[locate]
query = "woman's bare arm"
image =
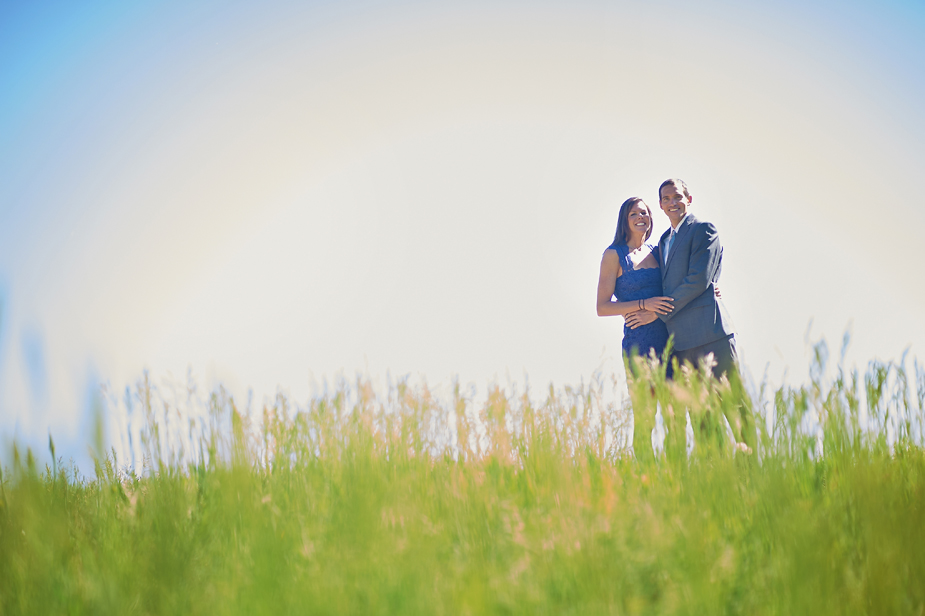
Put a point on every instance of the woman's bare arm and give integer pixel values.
(606, 307)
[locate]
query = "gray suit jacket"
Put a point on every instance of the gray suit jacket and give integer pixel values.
(693, 267)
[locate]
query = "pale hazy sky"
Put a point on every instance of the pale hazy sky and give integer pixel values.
(272, 193)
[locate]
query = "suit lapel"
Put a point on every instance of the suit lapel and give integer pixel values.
(662, 242)
(685, 226)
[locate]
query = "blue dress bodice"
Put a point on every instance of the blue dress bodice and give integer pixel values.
(636, 284)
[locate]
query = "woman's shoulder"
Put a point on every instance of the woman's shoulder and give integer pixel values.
(617, 247)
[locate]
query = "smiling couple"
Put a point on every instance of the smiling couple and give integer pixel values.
(669, 289)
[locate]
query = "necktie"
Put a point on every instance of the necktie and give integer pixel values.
(668, 247)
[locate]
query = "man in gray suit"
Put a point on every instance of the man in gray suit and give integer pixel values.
(691, 262)
(692, 259)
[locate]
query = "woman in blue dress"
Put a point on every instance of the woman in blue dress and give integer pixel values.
(630, 272)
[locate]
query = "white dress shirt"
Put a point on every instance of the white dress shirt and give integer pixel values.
(674, 232)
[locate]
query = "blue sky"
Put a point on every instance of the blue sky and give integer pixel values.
(272, 195)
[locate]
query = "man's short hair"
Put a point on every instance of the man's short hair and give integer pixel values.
(677, 183)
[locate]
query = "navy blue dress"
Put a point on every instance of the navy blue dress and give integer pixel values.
(636, 284)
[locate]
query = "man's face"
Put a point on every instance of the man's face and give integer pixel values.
(674, 203)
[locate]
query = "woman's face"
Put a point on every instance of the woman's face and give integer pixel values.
(639, 219)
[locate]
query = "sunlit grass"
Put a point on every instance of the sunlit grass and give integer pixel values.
(403, 503)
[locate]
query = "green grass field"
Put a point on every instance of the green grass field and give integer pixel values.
(402, 504)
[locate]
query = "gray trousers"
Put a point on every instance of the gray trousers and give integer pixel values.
(724, 356)
(741, 419)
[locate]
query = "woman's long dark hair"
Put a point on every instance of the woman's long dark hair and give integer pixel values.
(623, 220)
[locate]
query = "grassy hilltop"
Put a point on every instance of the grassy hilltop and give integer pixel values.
(357, 504)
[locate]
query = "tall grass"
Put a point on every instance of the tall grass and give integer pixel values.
(405, 503)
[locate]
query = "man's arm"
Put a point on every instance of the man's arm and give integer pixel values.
(640, 318)
(706, 256)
